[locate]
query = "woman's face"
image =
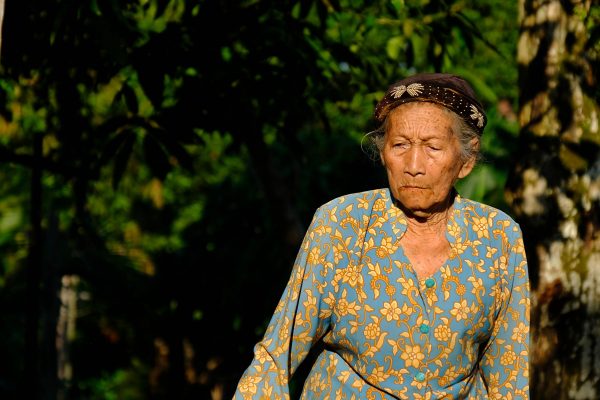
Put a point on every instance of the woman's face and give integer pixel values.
(421, 153)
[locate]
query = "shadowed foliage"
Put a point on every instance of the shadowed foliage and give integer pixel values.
(162, 158)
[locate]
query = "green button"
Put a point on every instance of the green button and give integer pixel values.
(420, 377)
(424, 328)
(429, 282)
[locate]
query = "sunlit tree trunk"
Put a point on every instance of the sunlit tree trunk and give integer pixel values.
(65, 333)
(555, 190)
(1, 19)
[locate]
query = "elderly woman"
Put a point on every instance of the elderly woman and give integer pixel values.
(415, 292)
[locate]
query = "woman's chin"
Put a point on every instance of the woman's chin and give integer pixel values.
(421, 209)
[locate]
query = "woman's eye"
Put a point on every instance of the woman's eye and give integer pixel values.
(401, 145)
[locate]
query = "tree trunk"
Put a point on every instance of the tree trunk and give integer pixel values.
(31, 381)
(554, 192)
(65, 333)
(2, 4)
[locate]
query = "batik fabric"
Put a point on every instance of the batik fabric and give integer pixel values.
(461, 333)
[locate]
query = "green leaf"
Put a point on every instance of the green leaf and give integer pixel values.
(122, 157)
(156, 157)
(394, 46)
(130, 98)
(173, 147)
(111, 148)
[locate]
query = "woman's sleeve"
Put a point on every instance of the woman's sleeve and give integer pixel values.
(300, 319)
(505, 363)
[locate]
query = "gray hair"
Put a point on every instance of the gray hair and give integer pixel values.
(465, 133)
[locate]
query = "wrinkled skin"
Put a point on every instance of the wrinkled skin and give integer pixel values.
(422, 156)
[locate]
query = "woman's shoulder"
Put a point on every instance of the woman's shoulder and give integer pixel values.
(366, 201)
(495, 216)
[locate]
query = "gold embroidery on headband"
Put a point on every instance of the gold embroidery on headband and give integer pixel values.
(414, 89)
(475, 114)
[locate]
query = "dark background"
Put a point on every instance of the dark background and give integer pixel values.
(161, 160)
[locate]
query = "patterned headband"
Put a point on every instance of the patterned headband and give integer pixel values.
(447, 90)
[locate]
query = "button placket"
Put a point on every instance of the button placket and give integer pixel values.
(429, 283)
(424, 328)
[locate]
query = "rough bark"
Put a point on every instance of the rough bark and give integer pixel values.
(554, 192)
(65, 333)
(1, 20)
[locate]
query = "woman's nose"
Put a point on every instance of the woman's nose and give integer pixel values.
(414, 161)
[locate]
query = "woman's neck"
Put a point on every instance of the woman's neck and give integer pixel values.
(425, 243)
(429, 226)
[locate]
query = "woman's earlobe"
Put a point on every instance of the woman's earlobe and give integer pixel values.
(467, 168)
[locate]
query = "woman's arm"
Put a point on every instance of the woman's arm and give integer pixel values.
(300, 319)
(505, 363)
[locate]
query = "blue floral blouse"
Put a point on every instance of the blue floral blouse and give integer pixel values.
(461, 333)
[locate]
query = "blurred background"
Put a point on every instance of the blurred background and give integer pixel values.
(160, 161)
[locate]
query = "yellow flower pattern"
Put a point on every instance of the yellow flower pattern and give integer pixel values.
(461, 333)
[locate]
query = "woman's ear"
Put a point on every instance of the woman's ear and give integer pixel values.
(467, 168)
(470, 163)
(381, 148)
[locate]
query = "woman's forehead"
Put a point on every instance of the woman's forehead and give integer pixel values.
(421, 107)
(427, 119)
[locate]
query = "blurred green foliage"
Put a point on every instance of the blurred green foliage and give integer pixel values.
(185, 147)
